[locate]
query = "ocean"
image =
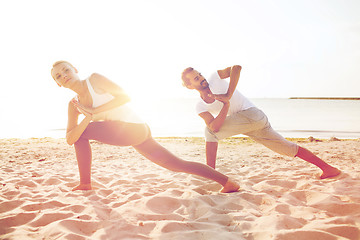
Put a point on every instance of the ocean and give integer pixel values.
(298, 118)
(176, 117)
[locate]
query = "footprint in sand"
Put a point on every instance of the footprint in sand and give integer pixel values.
(42, 206)
(349, 232)
(52, 181)
(339, 208)
(48, 218)
(13, 221)
(10, 205)
(163, 205)
(305, 235)
(27, 183)
(80, 227)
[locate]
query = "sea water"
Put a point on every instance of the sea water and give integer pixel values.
(290, 117)
(312, 117)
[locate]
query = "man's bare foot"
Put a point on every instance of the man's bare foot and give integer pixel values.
(331, 172)
(230, 186)
(82, 187)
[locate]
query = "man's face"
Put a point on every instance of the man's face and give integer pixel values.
(196, 80)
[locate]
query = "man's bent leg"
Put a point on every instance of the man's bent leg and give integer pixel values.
(211, 150)
(239, 123)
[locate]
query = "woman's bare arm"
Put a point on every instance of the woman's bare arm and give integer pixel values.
(74, 130)
(104, 85)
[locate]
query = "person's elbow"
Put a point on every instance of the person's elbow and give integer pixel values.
(123, 99)
(127, 99)
(69, 139)
(237, 68)
(214, 127)
(215, 130)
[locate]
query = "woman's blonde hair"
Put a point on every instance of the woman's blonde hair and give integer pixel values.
(60, 62)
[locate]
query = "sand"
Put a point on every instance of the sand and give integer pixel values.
(280, 197)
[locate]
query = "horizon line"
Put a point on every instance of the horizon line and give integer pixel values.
(327, 98)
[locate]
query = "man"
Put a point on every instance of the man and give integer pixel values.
(227, 112)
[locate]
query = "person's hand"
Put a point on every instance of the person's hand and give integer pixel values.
(88, 112)
(222, 97)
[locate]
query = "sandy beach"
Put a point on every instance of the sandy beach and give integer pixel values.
(280, 197)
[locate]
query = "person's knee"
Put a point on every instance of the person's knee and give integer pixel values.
(289, 149)
(210, 136)
(81, 141)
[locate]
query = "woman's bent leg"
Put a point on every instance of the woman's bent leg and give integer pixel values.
(116, 133)
(109, 132)
(83, 156)
(161, 156)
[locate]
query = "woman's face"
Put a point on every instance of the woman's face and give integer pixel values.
(65, 75)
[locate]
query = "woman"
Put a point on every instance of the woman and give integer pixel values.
(109, 120)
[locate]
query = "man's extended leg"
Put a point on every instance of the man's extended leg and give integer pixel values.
(328, 171)
(274, 141)
(211, 150)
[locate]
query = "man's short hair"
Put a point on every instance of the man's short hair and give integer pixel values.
(185, 80)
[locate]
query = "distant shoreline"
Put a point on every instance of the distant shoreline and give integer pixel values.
(327, 98)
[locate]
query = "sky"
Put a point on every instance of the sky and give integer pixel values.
(307, 48)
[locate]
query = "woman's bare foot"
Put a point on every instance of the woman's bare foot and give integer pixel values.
(330, 172)
(230, 186)
(82, 187)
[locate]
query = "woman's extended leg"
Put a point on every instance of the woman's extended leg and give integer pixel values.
(161, 156)
(120, 134)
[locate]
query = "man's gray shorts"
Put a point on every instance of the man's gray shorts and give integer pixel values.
(253, 123)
